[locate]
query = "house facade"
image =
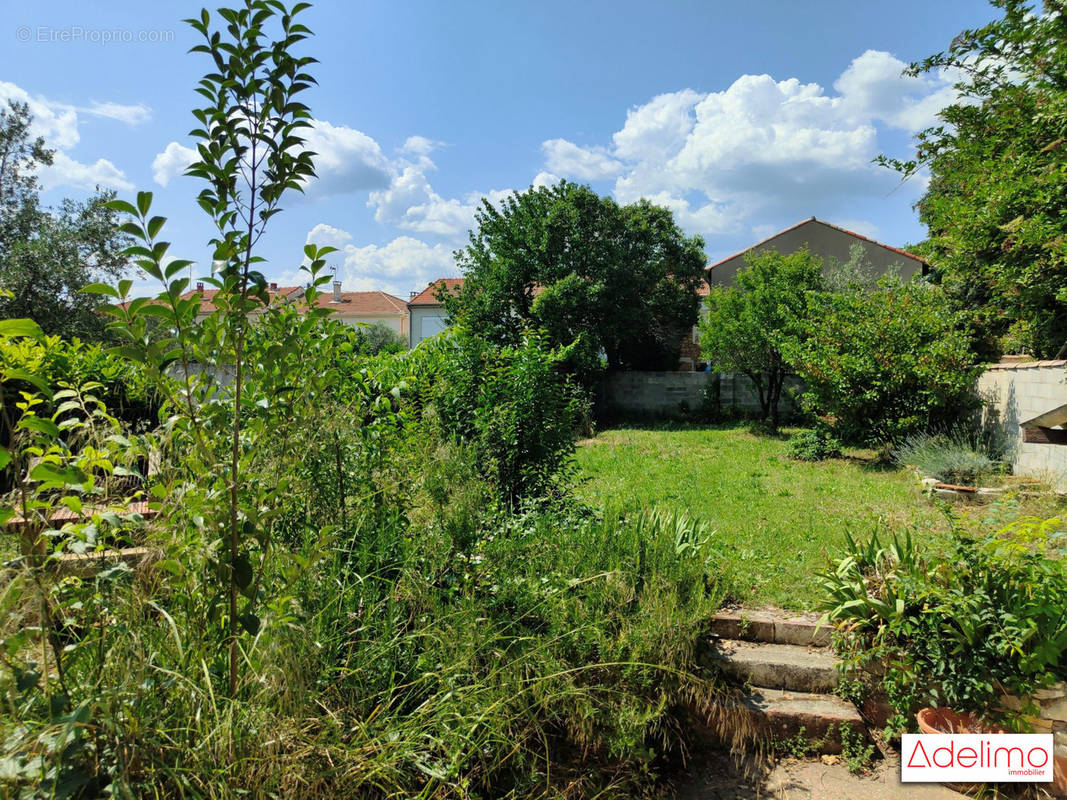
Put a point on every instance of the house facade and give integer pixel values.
(366, 308)
(830, 242)
(427, 316)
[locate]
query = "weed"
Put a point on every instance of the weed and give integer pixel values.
(856, 754)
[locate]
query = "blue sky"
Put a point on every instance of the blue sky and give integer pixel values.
(742, 117)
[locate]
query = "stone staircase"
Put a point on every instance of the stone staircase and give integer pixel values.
(786, 675)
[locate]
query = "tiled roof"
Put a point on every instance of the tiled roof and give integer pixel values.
(362, 303)
(428, 296)
(277, 294)
(808, 221)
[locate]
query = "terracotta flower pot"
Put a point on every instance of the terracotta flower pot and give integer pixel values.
(945, 720)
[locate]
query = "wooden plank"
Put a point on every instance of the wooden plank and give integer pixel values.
(1039, 435)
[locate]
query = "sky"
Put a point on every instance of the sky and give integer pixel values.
(743, 118)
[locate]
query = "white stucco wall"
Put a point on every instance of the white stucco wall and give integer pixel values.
(1018, 392)
(398, 322)
(426, 321)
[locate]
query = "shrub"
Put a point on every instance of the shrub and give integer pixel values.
(515, 405)
(960, 625)
(951, 457)
(884, 364)
(814, 444)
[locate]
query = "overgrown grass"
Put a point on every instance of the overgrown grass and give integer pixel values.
(776, 520)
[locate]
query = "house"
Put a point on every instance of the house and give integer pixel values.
(426, 313)
(351, 308)
(828, 241)
(366, 308)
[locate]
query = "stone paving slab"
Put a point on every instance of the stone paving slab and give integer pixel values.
(777, 666)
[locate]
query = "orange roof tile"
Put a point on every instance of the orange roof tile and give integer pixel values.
(362, 303)
(428, 296)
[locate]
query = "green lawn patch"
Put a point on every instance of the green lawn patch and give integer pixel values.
(777, 520)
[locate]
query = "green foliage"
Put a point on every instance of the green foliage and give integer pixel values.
(959, 625)
(884, 364)
(380, 338)
(814, 444)
(955, 457)
(994, 205)
(748, 322)
(621, 279)
(857, 754)
(516, 406)
(366, 578)
(48, 255)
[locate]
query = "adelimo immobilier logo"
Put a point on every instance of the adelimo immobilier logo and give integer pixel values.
(976, 757)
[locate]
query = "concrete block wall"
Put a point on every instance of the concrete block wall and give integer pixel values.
(1018, 391)
(682, 394)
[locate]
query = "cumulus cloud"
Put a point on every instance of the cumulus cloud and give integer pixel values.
(411, 203)
(172, 162)
(586, 163)
(761, 146)
(346, 160)
(65, 171)
(325, 235)
(402, 265)
(58, 124)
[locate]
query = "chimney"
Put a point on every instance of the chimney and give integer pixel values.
(411, 295)
(200, 286)
(337, 291)
(274, 287)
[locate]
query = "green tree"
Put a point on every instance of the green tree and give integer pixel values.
(998, 179)
(884, 363)
(48, 255)
(748, 321)
(617, 279)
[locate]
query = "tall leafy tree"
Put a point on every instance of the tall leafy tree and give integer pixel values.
(748, 322)
(995, 203)
(48, 255)
(621, 280)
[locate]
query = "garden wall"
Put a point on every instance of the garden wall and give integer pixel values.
(681, 395)
(1018, 391)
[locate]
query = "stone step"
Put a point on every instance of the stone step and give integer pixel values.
(770, 626)
(817, 718)
(775, 666)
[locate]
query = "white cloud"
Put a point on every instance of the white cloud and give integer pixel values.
(760, 147)
(131, 115)
(58, 124)
(404, 264)
(873, 87)
(65, 171)
(346, 160)
(589, 164)
(325, 235)
(544, 178)
(419, 146)
(172, 162)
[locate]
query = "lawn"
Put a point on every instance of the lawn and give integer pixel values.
(776, 520)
